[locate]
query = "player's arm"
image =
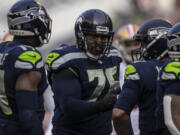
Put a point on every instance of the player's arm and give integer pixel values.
(169, 79)
(171, 105)
(126, 101)
(27, 102)
(49, 107)
(122, 109)
(120, 121)
(67, 92)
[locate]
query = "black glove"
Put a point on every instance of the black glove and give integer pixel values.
(109, 99)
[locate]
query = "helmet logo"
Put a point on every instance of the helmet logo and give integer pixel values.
(102, 29)
(79, 20)
(153, 32)
(156, 31)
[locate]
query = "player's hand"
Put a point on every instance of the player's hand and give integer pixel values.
(109, 99)
(115, 89)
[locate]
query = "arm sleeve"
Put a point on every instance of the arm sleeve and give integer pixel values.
(67, 93)
(172, 88)
(128, 96)
(48, 99)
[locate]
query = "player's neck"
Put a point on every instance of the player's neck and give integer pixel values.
(32, 41)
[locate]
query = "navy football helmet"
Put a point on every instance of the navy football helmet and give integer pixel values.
(29, 18)
(152, 36)
(174, 41)
(96, 23)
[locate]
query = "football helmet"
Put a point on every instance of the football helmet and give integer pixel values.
(174, 41)
(124, 41)
(89, 25)
(29, 18)
(152, 36)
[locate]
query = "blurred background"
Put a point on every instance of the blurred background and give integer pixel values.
(65, 12)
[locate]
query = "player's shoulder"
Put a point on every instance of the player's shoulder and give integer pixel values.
(66, 49)
(26, 57)
(64, 56)
(138, 69)
(131, 71)
(146, 65)
(138, 65)
(114, 52)
(170, 70)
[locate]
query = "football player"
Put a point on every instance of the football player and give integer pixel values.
(85, 78)
(140, 78)
(125, 43)
(169, 82)
(22, 74)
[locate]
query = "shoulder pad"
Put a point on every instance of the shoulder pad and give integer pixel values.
(137, 61)
(28, 58)
(114, 52)
(171, 71)
(51, 57)
(131, 74)
(56, 60)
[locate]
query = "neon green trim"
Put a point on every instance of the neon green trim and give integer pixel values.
(51, 57)
(30, 56)
(129, 70)
(74, 72)
(5, 104)
(173, 67)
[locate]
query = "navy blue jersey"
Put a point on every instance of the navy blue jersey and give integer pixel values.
(140, 88)
(16, 58)
(95, 79)
(163, 82)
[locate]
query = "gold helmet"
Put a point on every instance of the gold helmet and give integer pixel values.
(124, 41)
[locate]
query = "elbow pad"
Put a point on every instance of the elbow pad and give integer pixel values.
(27, 104)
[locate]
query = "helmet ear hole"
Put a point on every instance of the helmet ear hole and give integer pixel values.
(93, 22)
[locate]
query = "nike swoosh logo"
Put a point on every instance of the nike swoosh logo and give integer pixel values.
(51, 57)
(33, 56)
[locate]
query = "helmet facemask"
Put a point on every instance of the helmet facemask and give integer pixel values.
(174, 47)
(150, 45)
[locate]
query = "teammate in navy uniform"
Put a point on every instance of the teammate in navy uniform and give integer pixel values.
(169, 82)
(22, 74)
(85, 78)
(140, 78)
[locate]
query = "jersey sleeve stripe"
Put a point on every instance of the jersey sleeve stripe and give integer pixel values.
(66, 58)
(23, 65)
(114, 52)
